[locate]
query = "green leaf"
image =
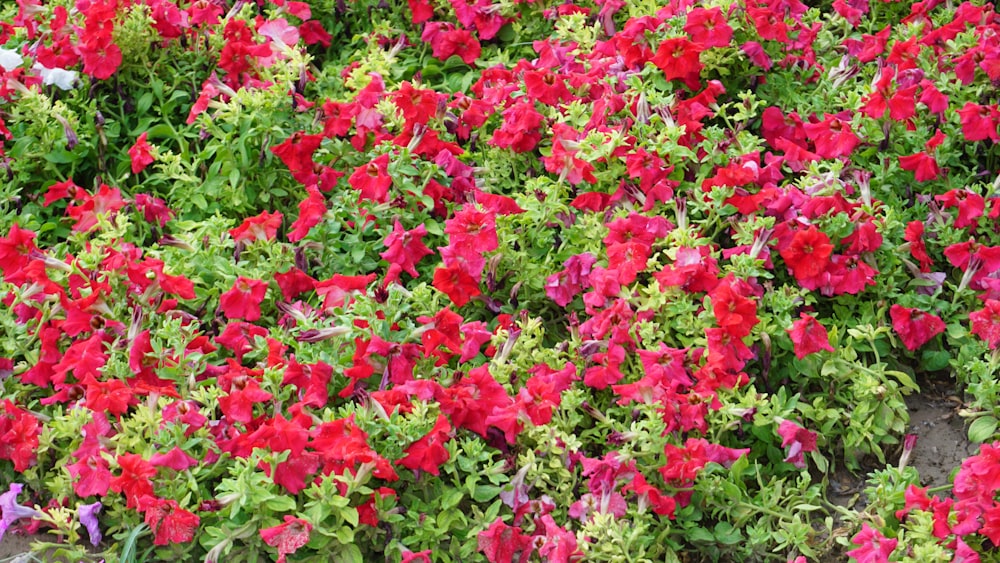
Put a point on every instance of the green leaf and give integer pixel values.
(280, 504)
(344, 535)
(350, 515)
(726, 534)
(349, 553)
(144, 103)
(701, 535)
(59, 155)
(484, 493)
(982, 429)
(905, 379)
(935, 360)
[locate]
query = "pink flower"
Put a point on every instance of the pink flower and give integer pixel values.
(873, 547)
(986, 323)
(798, 440)
(287, 537)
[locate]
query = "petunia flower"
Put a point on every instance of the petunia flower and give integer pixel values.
(169, 522)
(808, 254)
(873, 547)
(986, 323)
(244, 299)
(915, 327)
(10, 511)
(287, 537)
(87, 514)
(798, 440)
(808, 336)
(501, 542)
(141, 154)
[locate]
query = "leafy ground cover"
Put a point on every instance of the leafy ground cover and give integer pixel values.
(496, 281)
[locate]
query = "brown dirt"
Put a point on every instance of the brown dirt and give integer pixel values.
(13, 545)
(942, 441)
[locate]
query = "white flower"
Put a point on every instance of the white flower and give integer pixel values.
(64, 79)
(9, 59)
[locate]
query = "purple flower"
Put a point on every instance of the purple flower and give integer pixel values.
(11, 511)
(87, 513)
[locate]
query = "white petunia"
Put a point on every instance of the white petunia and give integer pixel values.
(9, 59)
(64, 79)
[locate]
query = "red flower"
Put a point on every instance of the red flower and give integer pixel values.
(134, 481)
(337, 290)
(563, 160)
(287, 537)
(472, 230)
(808, 254)
(244, 393)
(373, 180)
(418, 105)
(914, 235)
(808, 336)
(500, 542)
(112, 396)
(313, 381)
(428, 453)
(415, 557)
(520, 129)
(986, 323)
(260, 227)
(296, 152)
(19, 431)
(546, 87)
(176, 459)
(141, 154)
(294, 282)
(420, 10)
(311, 211)
(734, 313)
(405, 249)
(679, 59)
(106, 202)
(244, 299)
(923, 166)
(91, 476)
(170, 523)
(15, 250)
(931, 97)
(84, 358)
(915, 327)
(446, 41)
(832, 136)
(101, 57)
(708, 27)
(726, 352)
(980, 122)
(970, 206)
(154, 209)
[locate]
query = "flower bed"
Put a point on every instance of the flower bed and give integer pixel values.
(451, 281)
